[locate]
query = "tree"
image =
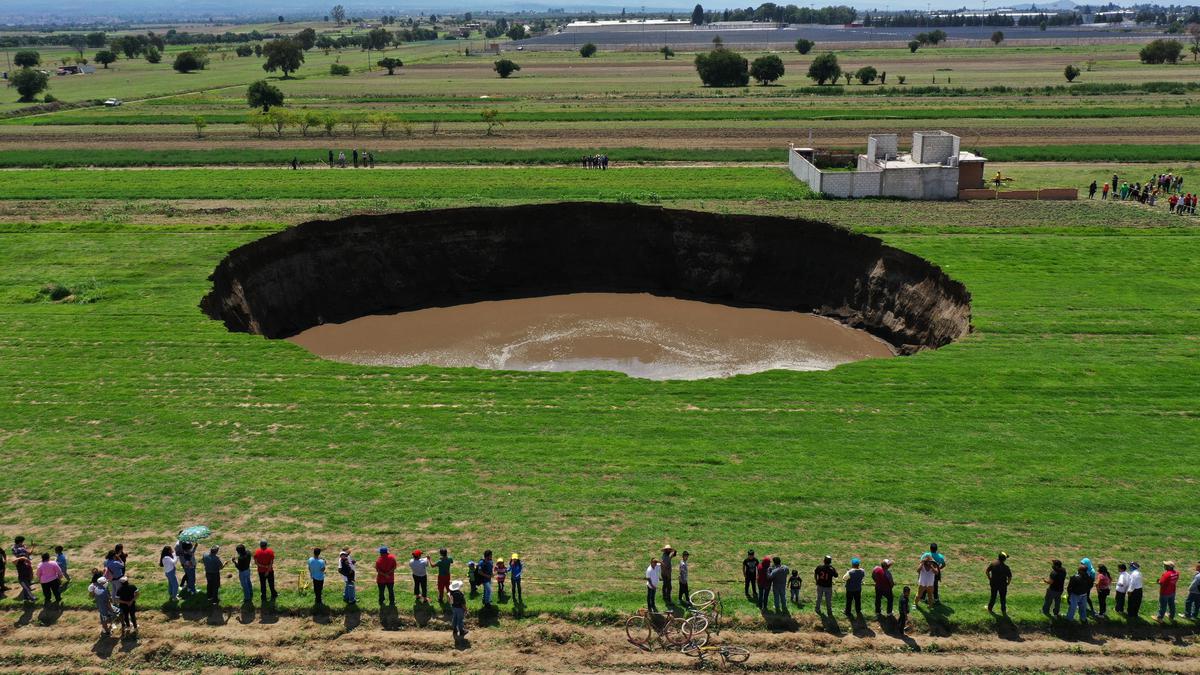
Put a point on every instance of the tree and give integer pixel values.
(339, 14)
(1070, 72)
(517, 32)
(824, 69)
(505, 67)
(95, 40)
(263, 94)
(153, 55)
(257, 121)
(667, 52)
(244, 50)
(258, 49)
(937, 37)
(722, 68)
(307, 121)
(390, 63)
(378, 40)
(491, 117)
(804, 46)
(325, 44)
(588, 50)
(26, 59)
(1161, 51)
(998, 37)
(717, 42)
(866, 75)
(914, 45)
(339, 69)
(280, 119)
(306, 38)
(29, 83)
(186, 62)
(354, 120)
(280, 19)
(283, 55)
(78, 43)
(767, 69)
(105, 57)
(697, 15)
(922, 38)
(199, 123)
(384, 121)
(329, 122)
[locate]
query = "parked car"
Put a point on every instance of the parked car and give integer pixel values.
(112, 102)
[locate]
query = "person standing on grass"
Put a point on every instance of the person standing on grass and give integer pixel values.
(940, 561)
(794, 584)
(1054, 588)
(99, 592)
(264, 561)
(50, 576)
(501, 573)
(823, 577)
(515, 569)
(1134, 602)
(926, 578)
(355, 158)
(420, 574)
(1122, 587)
(458, 605)
(667, 553)
(1077, 591)
(127, 602)
(1114, 184)
(186, 553)
(443, 564)
(854, 583)
(3, 569)
(473, 576)
(485, 570)
(999, 577)
(764, 582)
(1103, 588)
(167, 561)
(331, 159)
(884, 586)
(347, 568)
(114, 569)
(749, 573)
(242, 563)
(1092, 190)
(212, 574)
(902, 622)
(385, 575)
(60, 558)
(684, 596)
(1087, 562)
(652, 581)
(1167, 584)
(1191, 607)
(779, 581)
(341, 159)
(316, 570)
(1104, 192)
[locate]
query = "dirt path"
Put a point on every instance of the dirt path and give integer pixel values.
(38, 641)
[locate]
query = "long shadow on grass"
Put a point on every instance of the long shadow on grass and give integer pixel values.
(938, 619)
(1006, 629)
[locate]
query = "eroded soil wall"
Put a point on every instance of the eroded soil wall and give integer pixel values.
(334, 271)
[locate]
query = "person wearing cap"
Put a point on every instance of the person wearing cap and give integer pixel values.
(264, 561)
(854, 583)
(99, 592)
(443, 564)
(940, 561)
(1167, 585)
(1054, 588)
(1133, 603)
(515, 569)
(241, 562)
(749, 573)
(999, 577)
(823, 577)
(212, 574)
(485, 570)
(458, 605)
(779, 581)
(1191, 608)
(316, 571)
(667, 553)
(885, 586)
(127, 602)
(385, 575)
(419, 565)
(683, 580)
(346, 568)
(652, 581)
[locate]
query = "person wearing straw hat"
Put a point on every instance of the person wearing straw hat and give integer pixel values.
(667, 553)
(1167, 585)
(458, 605)
(999, 577)
(515, 568)
(99, 592)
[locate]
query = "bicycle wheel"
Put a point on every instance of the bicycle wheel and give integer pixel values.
(702, 599)
(691, 649)
(696, 625)
(675, 633)
(735, 654)
(637, 629)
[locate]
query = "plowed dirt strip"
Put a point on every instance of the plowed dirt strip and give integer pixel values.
(37, 641)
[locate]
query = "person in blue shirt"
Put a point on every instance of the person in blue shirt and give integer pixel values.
(485, 569)
(316, 570)
(940, 561)
(114, 569)
(61, 559)
(515, 568)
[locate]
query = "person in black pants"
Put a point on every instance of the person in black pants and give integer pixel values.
(750, 572)
(999, 577)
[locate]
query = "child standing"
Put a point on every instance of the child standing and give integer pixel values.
(61, 559)
(904, 604)
(794, 585)
(500, 571)
(472, 577)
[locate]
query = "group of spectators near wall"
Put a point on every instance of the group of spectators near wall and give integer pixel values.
(1165, 186)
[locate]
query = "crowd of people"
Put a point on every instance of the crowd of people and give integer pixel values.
(1165, 186)
(768, 580)
(595, 162)
(364, 159)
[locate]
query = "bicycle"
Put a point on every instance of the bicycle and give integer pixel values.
(728, 654)
(646, 628)
(705, 608)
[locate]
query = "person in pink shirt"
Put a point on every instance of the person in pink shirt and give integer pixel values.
(50, 576)
(1166, 590)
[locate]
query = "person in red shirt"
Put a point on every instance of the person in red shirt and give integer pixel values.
(264, 560)
(385, 575)
(1166, 590)
(882, 576)
(764, 582)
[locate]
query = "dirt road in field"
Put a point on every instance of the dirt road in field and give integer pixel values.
(39, 641)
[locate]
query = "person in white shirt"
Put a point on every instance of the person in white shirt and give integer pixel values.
(167, 561)
(652, 581)
(1122, 587)
(420, 573)
(1135, 589)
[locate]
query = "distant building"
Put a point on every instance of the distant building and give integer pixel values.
(76, 69)
(935, 169)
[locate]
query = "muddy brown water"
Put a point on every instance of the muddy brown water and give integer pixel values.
(638, 334)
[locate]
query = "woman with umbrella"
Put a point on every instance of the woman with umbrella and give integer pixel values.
(185, 552)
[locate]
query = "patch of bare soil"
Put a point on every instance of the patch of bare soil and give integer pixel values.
(39, 640)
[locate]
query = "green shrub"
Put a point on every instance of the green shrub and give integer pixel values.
(804, 46)
(722, 68)
(1161, 51)
(339, 69)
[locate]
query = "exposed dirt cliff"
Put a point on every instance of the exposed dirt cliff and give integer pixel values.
(334, 271)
